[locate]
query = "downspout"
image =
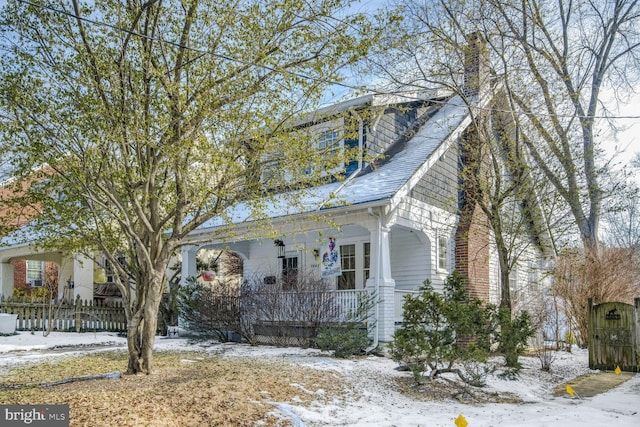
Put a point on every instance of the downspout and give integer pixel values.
(378, 272)
(359, 168)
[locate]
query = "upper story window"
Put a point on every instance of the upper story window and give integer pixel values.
(329, 141)
(328, 149)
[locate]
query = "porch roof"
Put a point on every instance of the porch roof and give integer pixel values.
(369, 186)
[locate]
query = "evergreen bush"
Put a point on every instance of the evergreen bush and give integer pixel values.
(440, 330)
(345, 341)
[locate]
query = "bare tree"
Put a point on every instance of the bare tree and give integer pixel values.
(495, 175)
(622, 219)
(554, 59)
(579, 277)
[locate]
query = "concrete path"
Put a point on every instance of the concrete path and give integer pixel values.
(592, 384)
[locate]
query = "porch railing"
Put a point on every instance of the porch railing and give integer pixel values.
(351, 303)
(312, 306)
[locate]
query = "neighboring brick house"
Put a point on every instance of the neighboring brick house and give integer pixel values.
(22, 263)
(34, 273)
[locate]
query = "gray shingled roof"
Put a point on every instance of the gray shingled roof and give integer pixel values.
(376, 185)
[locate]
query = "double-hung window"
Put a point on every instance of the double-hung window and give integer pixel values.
(35, 272)
(329, 143)
(355, 260)
(367, 261)
(348, 262)
(290, 273)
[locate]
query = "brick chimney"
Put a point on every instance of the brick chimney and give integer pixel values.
(472, 238)
(476, 66)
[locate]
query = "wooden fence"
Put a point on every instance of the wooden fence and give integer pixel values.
(614, 336)
(78, 316)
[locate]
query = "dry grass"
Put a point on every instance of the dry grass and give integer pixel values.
(187, 389)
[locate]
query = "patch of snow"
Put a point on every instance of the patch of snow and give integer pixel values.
(372, 397)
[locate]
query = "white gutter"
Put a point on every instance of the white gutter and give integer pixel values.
(378, 272)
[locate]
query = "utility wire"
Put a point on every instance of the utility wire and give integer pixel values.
(278, 70)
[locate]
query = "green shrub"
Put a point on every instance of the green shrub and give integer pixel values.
(440, 330)
(344, 341)
(512, 336)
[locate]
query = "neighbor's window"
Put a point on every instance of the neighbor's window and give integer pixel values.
(533, 273)
(443, 263)
(348, 262)
(35, 272)
(110, 271)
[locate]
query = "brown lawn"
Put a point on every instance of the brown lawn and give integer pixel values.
(186, 389)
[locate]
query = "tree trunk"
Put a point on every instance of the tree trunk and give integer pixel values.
(133, 345)
(141, 333)
(149, 334)
(505, 290)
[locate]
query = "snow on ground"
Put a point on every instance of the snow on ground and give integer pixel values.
(373, 398)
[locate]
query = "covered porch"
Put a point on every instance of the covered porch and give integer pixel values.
(381, 259)
(75, 273)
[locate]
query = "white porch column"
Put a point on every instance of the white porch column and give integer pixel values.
(82, 277)
(381, 282)
(65, 274)
(189, 268)
(6, 279)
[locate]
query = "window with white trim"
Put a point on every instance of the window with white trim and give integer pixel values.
(348, 262)
(35, 272)
(329, 142)
(513, 279)
(367, 261)
(289, 272)
(443, 256)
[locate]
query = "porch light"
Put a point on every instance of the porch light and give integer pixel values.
(281, 248)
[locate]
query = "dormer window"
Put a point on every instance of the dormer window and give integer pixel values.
(329, 143)
(323, 148)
